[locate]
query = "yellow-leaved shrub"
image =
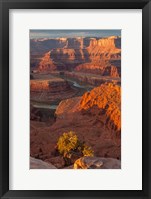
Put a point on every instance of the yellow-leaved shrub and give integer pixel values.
(68, 145)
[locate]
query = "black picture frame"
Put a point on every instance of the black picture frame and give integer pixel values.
(5, 5)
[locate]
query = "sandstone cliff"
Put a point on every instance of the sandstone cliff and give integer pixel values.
(93, 79)
(46, 63)
(104, 57)
(106, 100)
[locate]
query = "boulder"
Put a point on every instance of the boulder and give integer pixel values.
(97, 163)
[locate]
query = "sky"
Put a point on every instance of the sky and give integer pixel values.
(37, 34)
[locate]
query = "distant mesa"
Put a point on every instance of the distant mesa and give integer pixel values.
(96, 55)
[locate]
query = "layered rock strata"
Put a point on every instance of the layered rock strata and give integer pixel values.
(50, 90)
(95, 55)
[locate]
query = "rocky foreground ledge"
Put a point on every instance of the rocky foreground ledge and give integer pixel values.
(39, 164)
(81, 163)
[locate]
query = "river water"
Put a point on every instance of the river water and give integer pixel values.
(46, 106)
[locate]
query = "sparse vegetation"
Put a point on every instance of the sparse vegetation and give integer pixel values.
(87, 151)
(67, 142)
(69, 145)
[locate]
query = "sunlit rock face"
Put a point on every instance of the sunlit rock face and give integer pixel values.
(107, 100)
(95, 55)
(102, 102)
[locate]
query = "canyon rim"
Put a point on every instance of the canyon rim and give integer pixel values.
(75, 99)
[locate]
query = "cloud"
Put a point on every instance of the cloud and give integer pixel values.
(72, 33)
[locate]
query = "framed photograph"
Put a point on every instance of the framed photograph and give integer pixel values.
(75, 99)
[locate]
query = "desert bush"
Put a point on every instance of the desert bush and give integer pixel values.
(67, 142)
(87, 151)
(68, 145)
